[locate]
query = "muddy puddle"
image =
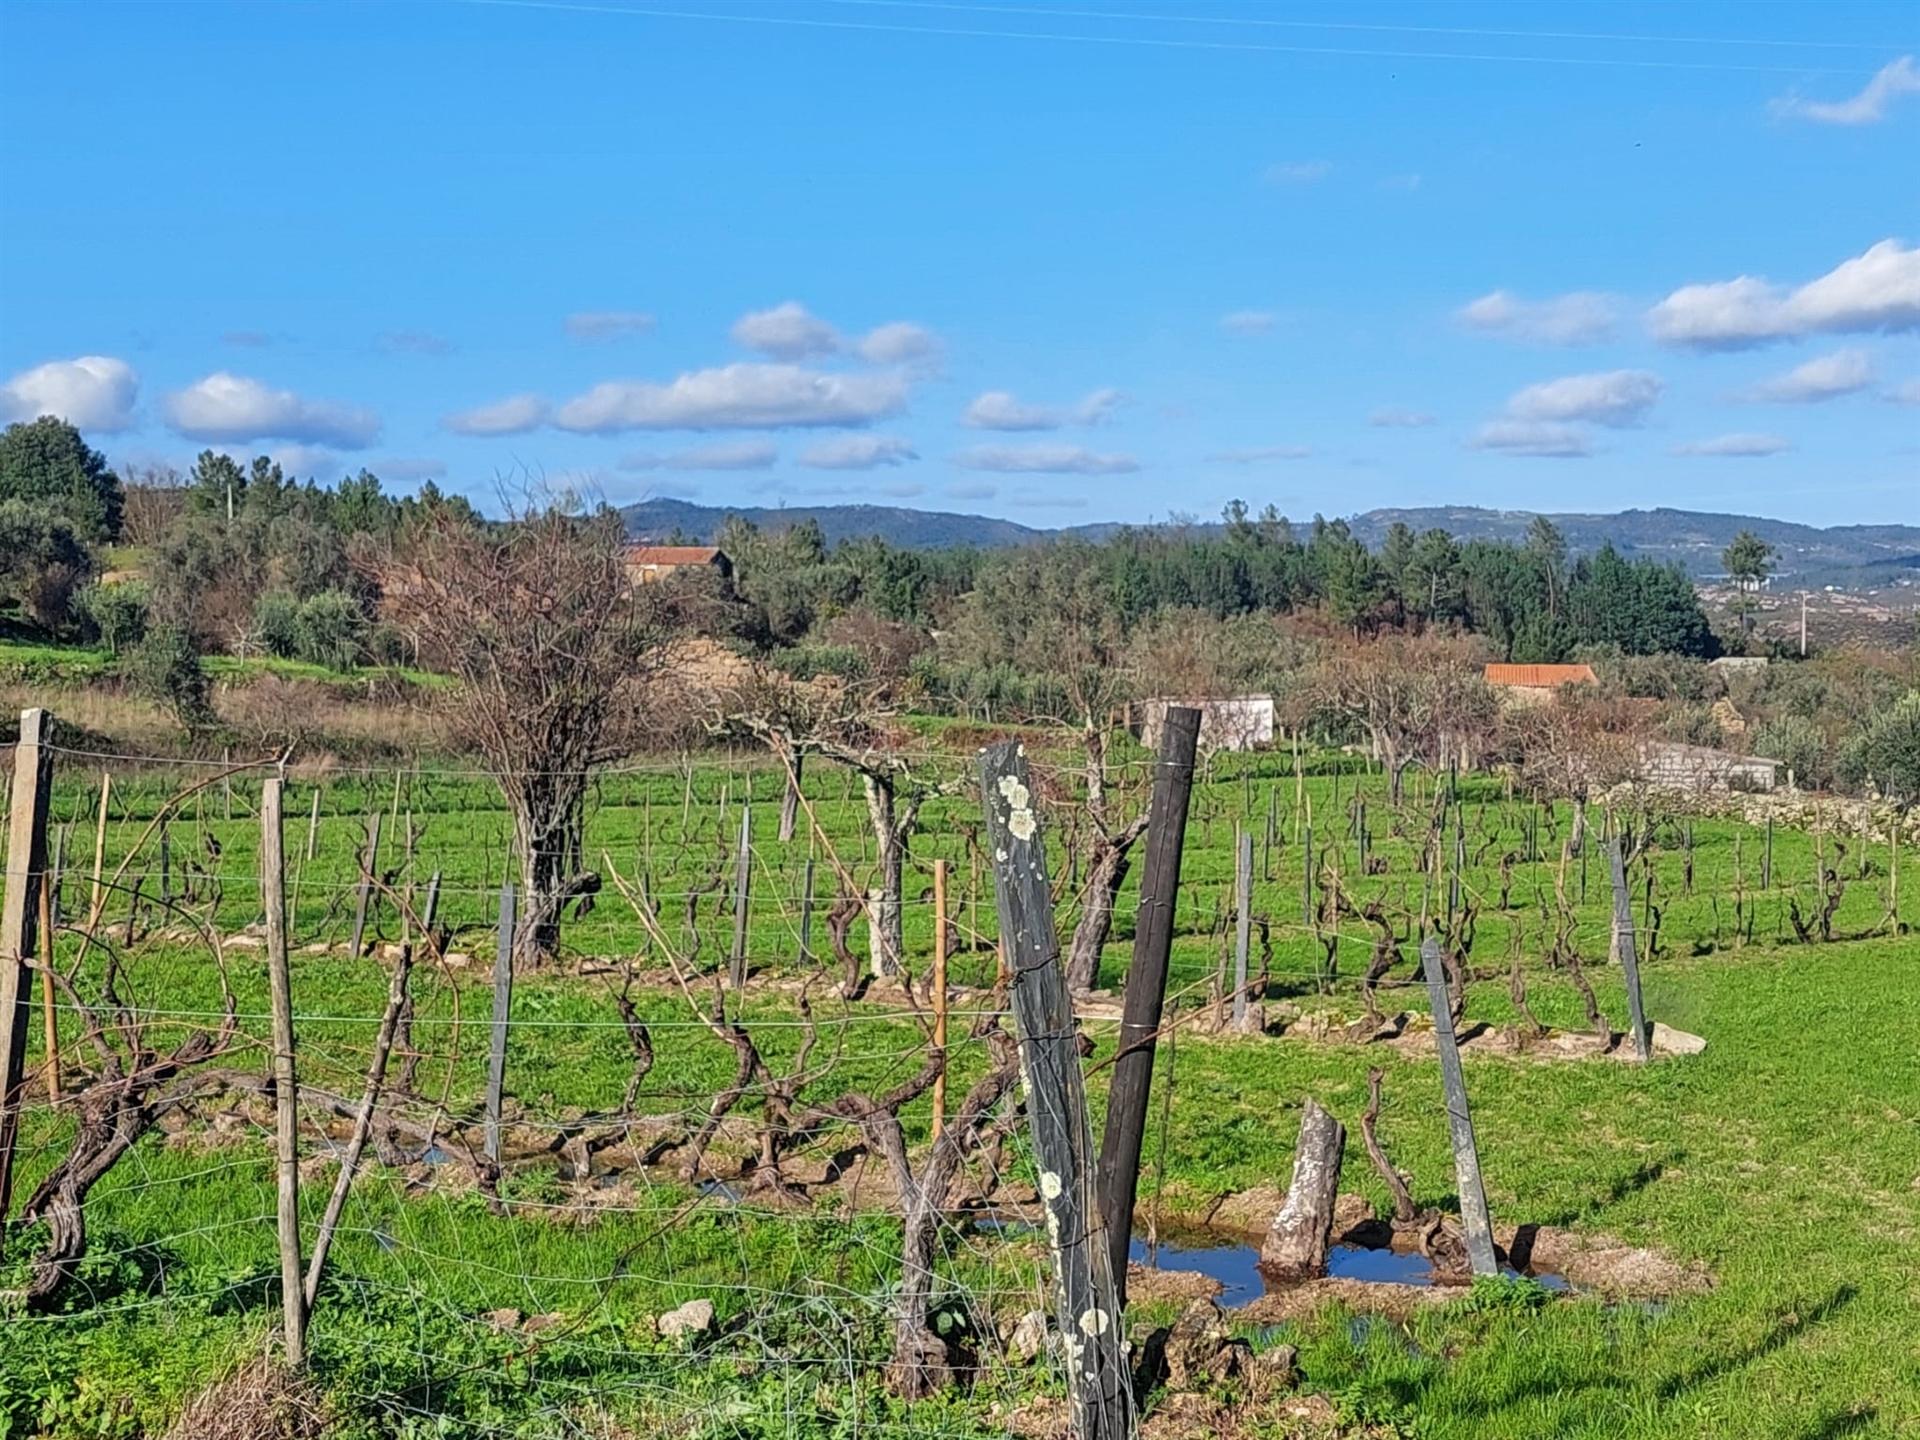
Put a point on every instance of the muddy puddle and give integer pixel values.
(1233, 1262)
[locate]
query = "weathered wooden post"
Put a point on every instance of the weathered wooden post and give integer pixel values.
(368, 870)
(940, 994)
(502, 1011)
(1099, 1387)
(1466, 1154)
(1624, 950)
(1119, 1167)
(806, 914)
(790, 800)
(99, 845)
(286, 1091)
(1243, 926)
(742, 885)
(313, 825)
(19, 919)
(1295, 1246)
(1306, 878)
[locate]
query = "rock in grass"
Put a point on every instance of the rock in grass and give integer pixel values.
(1029, 1335)
(693, 1318)
(1669, 1041)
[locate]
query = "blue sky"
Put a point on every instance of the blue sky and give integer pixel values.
(1060, 263)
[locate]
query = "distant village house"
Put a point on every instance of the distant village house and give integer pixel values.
(1536, 684)
(1234, 722)
(1673, 766)
(649, 563)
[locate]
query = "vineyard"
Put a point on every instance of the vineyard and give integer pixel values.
(748, 1152)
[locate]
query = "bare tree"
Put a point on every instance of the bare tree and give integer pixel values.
(552, 649)
(1574, 744)
(846, 725)
(1417, 697)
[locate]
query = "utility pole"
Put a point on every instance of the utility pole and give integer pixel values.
(1803, 624)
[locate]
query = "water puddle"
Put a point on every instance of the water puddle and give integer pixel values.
(1235, 1264)
(435, 1155)
(718, 1190)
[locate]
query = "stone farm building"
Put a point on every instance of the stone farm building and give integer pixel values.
(648, 563)
(1536, 684)
(1233, 722)
(1673, 766)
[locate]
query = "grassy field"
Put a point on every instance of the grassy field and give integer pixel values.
(1784, 1159)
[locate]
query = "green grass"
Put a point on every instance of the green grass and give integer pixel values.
(1784, 1158)
(47, 663)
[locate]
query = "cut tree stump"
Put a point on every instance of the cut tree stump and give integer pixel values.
(1297, 1240)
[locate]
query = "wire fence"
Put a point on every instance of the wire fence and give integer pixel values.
(681, 1207)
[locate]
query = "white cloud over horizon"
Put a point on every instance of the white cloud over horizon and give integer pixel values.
(91, 392)
(1878, 290)
(1826, 377)
(742, 396)
(790, 331)
(515, 415)
(858, 452)
(1248, 322)
(1044, 460)
(726, 455)
(1540, 439)
(1002, 410)
(228, 407)
(1581, 317)
(1869, 107)
(1741, 446)
(608, 324)
(1610, 397)
(1256, 454)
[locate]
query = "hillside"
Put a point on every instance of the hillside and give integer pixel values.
(1850, 555)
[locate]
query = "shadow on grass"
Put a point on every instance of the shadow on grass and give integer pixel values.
(1839, 1423)
(1631, 1183)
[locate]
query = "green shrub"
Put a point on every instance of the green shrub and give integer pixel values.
(117, 613)
(276, 622)
(328, 630)
(1798, 744)
(166, 667)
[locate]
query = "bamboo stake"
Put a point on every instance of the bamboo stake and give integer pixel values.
(940, 994)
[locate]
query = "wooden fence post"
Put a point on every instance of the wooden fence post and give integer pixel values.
(940, 994)
(790, 800)
(806, 914)
(1466, 1154)
(1128, 1091)
(502, 1010)
(1099, 1387)
(19, 919)
(1624, 948)
(99, 845)
(367, 872)
(742, 888)
(1243, 926)
(286, 1090)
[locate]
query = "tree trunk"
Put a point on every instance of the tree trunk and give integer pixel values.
(1297, 1240)
(1105, 876)
(548, 824)
(1096, 743)
(790, 800)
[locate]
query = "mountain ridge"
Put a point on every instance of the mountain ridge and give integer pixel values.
(1858, 554)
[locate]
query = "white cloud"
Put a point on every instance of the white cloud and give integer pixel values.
(229, 407)
(1044, 460)
(858, 452)
(1879, 290)
(401, 468)
(1299, 172)
(1844, 372)
(1741, 446)
(1390, 417)
(899, 342)
(94, 392)
(736, 397)
(788, 331)
(1255, 454)
(1581, 317)
(1248, 322)
(1869, 107)
(1000, 410)
(514, 415)
(608, 324)
(1533, 438)
(727, 455)
(1608, 397)
(414, 342)
(906, 490)
(303, 462)
(1050, 502)
(1907, 392)
(973, 490)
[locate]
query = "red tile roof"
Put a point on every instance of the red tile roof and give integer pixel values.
(1541, 677)
(672, 554)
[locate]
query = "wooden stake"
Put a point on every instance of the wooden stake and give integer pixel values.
(99, 844)
(286, 1092)
(742, 885)
(1466, 1154)
(502, 1013)
(313, 825)
(1624, 948)
(19, 918)
(49, 1015)
(1099, 1385)
(1243, 927)
(940, 994)
(365, 893)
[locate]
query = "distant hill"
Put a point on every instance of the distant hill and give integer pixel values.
(1848, 555)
